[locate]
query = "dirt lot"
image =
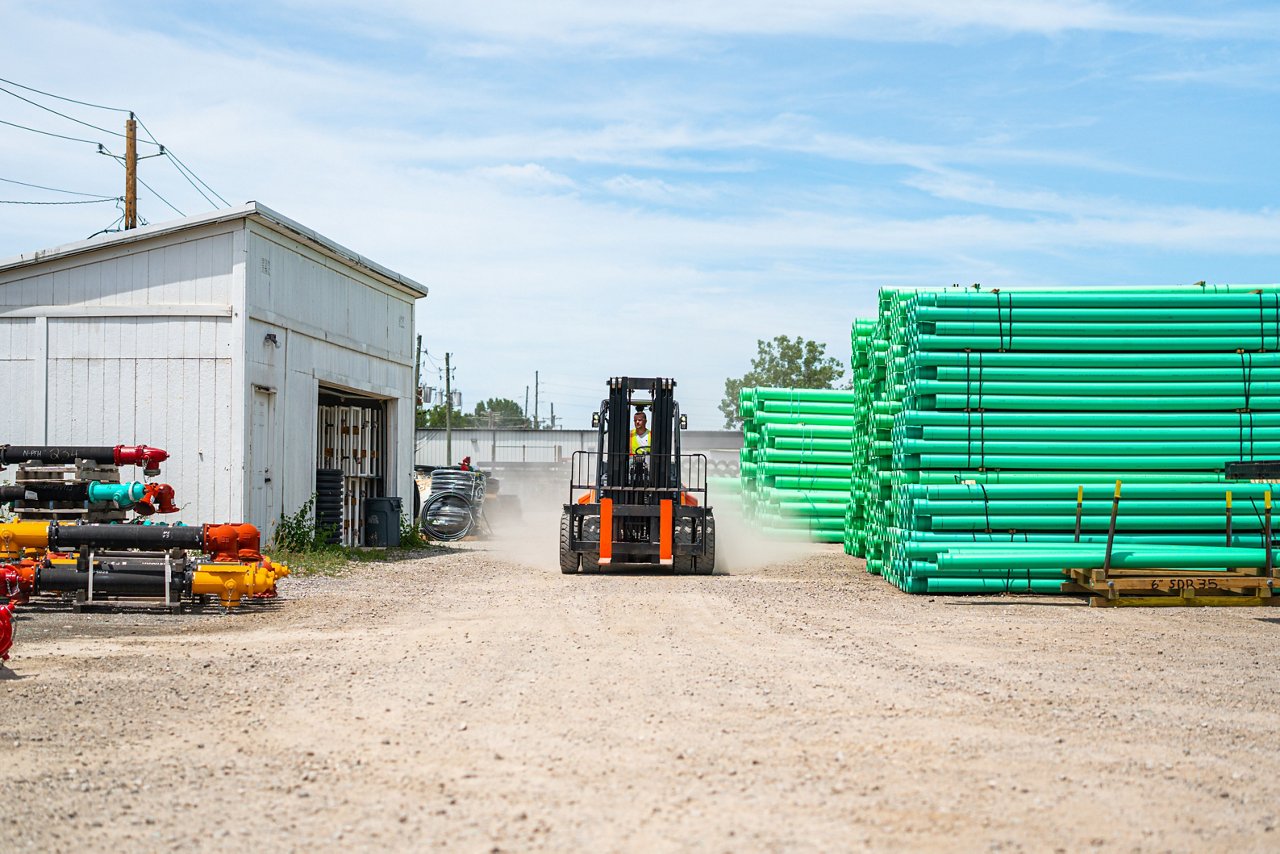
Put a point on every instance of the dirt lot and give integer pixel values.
(479, 700)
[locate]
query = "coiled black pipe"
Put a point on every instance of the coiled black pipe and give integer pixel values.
(454, 506)
(153, 537)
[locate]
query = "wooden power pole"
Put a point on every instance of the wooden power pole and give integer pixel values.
(130, 173)
(448, 412)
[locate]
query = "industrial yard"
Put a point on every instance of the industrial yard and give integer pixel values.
(473, 698)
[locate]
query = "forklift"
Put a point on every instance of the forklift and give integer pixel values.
(637, 510)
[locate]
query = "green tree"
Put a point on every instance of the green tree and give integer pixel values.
(782, 363)
(434, 418)
(500, 412)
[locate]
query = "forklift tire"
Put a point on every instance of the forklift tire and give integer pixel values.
(706, 564)
(683, 564)
(568, 558)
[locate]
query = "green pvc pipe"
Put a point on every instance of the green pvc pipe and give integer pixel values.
(1259, 335)
(1064, 491)
(1208, 559)
(1165, 314)
(1086, 344)
(1059, 462)
(1136, 390)
(991, 585)
(1219, 403)
(982, 446)
(1190, 434)
(1098, 420)
(1053, 374)
(1128, 523)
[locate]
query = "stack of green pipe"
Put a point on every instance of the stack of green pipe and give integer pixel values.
(797, 459)
(983, 412)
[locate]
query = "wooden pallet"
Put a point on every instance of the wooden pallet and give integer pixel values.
(1172, 587)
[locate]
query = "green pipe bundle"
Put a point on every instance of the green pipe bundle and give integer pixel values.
(797, 460)
(992, 427)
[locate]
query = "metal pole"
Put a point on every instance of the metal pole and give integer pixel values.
(1266, 501)
(1079, 509)
(1111, 531)
(448, 412)
(536, 385)
(1228, 517)
(130, 173)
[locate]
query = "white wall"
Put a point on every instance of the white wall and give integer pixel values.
(161, 341)
(132, 345)
(334, 326)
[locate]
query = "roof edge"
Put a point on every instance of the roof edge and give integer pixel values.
(250, 210)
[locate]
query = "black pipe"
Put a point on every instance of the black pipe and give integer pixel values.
(60, 579)
(15, 454)
(15, 493)
(45, 492)
(153, 537)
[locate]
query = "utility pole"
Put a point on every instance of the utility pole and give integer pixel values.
(526, 403)
(535, 400)
(130, 173)
(553, 416)
(448, 411)
(417, 371)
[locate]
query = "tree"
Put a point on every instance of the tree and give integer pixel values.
(500, 412)
(435, 416)
(782, 363)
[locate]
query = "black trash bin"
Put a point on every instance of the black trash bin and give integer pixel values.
(382, 522)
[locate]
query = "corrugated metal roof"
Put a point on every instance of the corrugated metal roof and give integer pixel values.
(250, 210)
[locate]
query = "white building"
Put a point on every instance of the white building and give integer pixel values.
(252, 349)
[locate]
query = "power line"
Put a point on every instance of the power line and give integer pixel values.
(64, 115)
(56, 190)
(107, 152)
(184, 169)
(73, 202)
(49, 133)
(61, 98)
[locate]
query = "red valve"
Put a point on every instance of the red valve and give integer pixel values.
(6, 630)
(143, 455)
(157, 497)
(232, 543)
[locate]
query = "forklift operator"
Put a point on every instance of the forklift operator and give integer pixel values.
(640, 435)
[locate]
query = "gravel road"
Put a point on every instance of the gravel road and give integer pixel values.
(478, 700)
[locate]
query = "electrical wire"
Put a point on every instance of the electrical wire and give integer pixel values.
(72, 202)
(56, 190)
(49, 133)
(184, 170)
(187, 173)
(107, 152)
(61, 98)
(67, 117)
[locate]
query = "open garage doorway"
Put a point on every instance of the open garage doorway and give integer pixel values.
(351, 457)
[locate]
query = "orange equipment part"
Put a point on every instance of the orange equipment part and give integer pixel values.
(156, 498)
(688, 500)
(664, 532)
(588, 498)
(233, 543)
(606, 530)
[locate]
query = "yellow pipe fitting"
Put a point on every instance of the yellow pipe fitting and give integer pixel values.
(16, 538)
(231, 582)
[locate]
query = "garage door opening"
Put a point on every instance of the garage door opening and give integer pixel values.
(350, 461)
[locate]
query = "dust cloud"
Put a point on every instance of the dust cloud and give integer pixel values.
(531, 536)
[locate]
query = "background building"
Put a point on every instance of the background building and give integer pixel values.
(251, 348)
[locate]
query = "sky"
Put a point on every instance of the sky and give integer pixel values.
(596, 189)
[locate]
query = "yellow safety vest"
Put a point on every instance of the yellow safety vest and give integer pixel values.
(640, 444)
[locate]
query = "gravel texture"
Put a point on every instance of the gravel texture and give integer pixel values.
(478, 700)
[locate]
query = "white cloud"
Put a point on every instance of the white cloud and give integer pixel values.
(661, 26)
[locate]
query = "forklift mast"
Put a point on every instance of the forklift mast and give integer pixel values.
(626, 395)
